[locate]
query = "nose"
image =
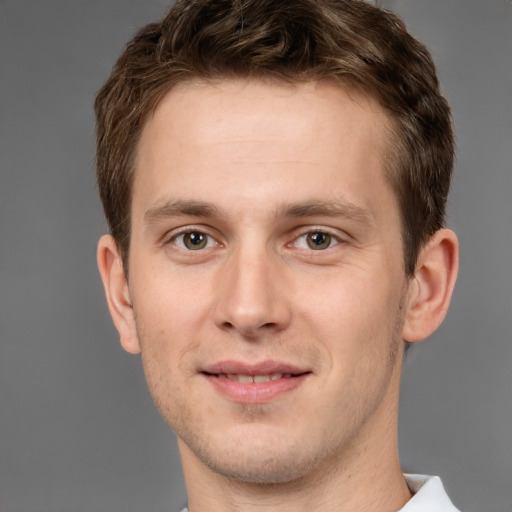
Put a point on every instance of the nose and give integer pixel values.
(252, 298)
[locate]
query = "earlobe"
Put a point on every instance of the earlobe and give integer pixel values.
(117, 293)
(431, 288)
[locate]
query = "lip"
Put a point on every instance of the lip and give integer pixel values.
(262, 368)
(254, 392)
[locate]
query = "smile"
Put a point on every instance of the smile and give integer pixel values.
(260, 383)
(254, 378)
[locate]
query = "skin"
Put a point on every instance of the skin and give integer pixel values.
(261, 169)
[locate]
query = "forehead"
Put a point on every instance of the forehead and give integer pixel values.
(246, 132)
(232, 103)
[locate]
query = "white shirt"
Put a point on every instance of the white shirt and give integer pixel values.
(429, 495)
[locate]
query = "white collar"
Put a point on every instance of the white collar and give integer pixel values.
(429, 495)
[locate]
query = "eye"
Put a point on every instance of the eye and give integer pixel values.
(317, 241)
(193, 241)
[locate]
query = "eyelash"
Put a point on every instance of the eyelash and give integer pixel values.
(211, 242)
(333, 240)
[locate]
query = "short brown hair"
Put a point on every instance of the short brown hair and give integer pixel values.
(350, 41)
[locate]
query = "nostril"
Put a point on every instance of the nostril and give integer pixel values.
(249, 330)
(251, 318)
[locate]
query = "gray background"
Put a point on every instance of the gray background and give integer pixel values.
(78, 430)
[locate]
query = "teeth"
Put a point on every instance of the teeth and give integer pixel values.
(261, 378)
(257, 378)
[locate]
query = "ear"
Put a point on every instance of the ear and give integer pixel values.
(430, 290)
(117, 292)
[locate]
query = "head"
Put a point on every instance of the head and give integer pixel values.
(351, 43)
(274, 175)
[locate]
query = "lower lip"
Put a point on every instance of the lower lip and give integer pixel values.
(255, 392)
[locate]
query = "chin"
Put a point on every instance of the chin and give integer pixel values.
(265, 470)
(257, 457)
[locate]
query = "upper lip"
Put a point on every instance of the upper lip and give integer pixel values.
(263, 368)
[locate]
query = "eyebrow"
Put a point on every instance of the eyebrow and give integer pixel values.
(333, 208)
(178, 207)
(329, 208)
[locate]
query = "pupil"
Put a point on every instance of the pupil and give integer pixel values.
(319, 240)
(195, 240)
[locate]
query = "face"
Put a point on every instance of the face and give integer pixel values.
(266, 275)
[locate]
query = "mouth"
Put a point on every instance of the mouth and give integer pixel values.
(254, 383)
(248, 379)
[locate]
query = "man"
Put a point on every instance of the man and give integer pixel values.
(275, 175)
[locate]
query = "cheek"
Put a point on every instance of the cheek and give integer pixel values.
(347, 299)
(165, 344)
(353, 315)
(171, 309)
(167, 390)
(169, 303)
